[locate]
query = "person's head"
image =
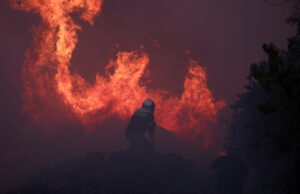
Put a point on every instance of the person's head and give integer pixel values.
(149, 105)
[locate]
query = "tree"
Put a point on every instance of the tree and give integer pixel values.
(265, 127)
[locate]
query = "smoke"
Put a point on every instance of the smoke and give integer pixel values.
(52, 90)
(217, 39)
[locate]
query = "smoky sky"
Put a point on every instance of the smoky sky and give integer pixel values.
(225, 37)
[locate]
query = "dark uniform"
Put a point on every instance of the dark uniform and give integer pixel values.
(141, 121)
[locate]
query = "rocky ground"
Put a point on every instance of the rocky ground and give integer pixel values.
(120, 172)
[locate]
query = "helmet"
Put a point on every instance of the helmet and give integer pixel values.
(149, 105)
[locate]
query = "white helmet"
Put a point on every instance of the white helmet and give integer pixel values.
(149, 105)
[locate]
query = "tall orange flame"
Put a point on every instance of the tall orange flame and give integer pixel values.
(47, 76)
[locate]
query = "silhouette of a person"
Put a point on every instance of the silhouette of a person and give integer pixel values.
(231, 173)
(141, 121)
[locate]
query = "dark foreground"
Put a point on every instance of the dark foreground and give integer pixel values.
(121, 172)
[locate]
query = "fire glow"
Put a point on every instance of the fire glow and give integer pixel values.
(47, 77)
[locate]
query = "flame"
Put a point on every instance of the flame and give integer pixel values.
(119, 92)
(222, 153)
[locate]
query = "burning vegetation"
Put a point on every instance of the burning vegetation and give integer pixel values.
(51, 88)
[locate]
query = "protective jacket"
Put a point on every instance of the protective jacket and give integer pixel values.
(141, 121)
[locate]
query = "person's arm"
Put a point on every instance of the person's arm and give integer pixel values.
(151, 136)
(151, 127)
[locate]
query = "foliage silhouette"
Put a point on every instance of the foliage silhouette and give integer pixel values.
(265, 128)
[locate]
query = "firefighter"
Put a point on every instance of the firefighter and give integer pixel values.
(142, 121)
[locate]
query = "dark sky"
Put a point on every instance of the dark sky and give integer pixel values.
(223, 36)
